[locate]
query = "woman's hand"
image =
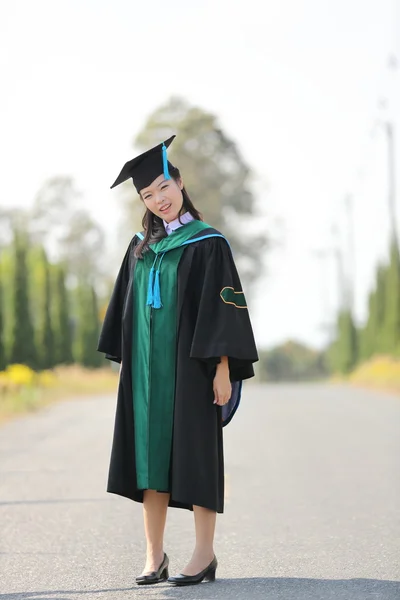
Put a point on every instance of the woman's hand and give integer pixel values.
(222, 385)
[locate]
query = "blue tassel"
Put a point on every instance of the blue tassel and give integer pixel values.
(157, 292)
(150, 288)
(165, 162)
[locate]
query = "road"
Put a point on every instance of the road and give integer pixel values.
(312, 503)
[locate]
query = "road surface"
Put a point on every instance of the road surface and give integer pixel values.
(312, 503)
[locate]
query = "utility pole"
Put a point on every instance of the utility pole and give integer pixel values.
(324, 256)
(389, 127)
(340, 278)
(351, 269)
(391, 157)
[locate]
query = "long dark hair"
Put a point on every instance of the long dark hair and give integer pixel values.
(154, 227)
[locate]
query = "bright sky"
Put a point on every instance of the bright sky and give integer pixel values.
(296, 83)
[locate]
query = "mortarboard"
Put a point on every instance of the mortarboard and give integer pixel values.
(146, 167)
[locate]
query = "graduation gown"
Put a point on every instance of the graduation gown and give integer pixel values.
(212, 321)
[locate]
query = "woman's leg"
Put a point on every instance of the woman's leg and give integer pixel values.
(204, 520)
(155, 506)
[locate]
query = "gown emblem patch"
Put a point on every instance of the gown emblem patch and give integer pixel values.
(230, 296)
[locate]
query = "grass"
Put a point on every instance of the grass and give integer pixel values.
(381, 372)
(17, 397)
(22, 390)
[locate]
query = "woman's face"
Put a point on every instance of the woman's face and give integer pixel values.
(164, 198)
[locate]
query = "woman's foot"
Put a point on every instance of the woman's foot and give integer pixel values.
(207, 574)
(199, 561)
(152, 575)
(153, 563)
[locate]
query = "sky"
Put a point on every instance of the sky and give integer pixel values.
(297, 84)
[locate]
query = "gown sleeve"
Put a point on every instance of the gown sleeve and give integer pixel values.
(110, 340)
(223, 326)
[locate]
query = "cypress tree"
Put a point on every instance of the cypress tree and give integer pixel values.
(368, 333)
(2, 342)
(84, 334)
(46, 337)
(95, 357)
(63, 328)
(378, 316)
(391, 317)
(23, 348)
(345, 355)
(81, 324)
(372, 338)
(88, 327)
(7, 278)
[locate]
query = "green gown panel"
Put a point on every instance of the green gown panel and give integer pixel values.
(154, 358)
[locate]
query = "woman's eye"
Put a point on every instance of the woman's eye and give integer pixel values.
(164, 187)
(147, 197)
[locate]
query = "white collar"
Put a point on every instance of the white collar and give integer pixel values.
(176, 223)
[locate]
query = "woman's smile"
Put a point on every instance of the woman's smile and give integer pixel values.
(165, 208)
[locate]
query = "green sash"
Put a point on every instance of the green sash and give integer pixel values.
(154, 354)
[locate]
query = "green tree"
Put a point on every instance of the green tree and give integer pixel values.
(2, 342)
(62, 320)
(4, 280)
(94, 331)
(371, 337)
(291, 361)
(54, 205)
(215, 175)
(344, 352)
(23, 348)
(82, 247)
(58, 220)
(88, 327)
(7, 277)
(46, 333)
(391, 320)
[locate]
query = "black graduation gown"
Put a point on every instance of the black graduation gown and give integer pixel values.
(208, 328)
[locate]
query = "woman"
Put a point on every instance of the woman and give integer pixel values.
(178, 323)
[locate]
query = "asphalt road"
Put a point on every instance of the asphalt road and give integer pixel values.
(312, 508)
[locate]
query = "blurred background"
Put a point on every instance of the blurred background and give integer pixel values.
(287, 118)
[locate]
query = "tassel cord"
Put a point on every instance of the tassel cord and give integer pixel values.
(150, 293)
(157, 303)
(165, 162)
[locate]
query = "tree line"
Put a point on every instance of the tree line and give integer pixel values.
(43, 323)
(380, 334)
(50, 274)
(353, 344)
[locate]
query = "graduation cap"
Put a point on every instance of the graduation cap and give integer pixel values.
(146, 167)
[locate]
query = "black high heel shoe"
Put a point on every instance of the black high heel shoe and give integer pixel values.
(156, 576)
(208, 575)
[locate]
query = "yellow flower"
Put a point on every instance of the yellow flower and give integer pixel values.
(20, 374)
